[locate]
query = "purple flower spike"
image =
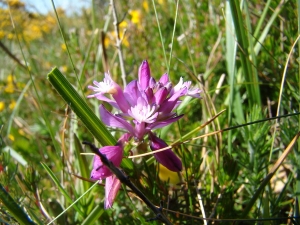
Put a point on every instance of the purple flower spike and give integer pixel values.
(145, 103)
(167, 158)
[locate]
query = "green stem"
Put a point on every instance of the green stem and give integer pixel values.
(160, 34)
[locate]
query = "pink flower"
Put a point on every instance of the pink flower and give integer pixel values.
(100, 171)
(144, 104)
(113, 154)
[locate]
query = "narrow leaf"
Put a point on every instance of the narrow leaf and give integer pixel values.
(61, 188)
(82, 160)
(14, 208)
(79, 106)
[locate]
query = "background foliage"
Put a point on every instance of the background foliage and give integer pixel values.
(235, 51)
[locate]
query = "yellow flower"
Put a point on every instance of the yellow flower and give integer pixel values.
(2, 34)
(123, 24)
(11, 137)
(12, 105)
(135, 16)
(64, 68)
(63, 46)
(173, 178)
(10, 36)
(50, 19)
(10, 78)
(21, 132)
(30, 26)
(20, 85)
(124, 39)
(9, 88)
(110, 39)
(146, 6)
(2, 106)
(107, 41)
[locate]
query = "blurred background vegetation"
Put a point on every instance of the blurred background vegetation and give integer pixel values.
(243, 55)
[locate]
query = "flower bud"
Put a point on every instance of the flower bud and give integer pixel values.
(167, 158)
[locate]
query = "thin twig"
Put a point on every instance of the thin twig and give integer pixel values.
(11, 55)
(125, 180)
(118, 41)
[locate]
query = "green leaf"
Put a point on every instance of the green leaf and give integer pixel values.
(14, 208)
(81, 109)
(249, 72)
(83, 164)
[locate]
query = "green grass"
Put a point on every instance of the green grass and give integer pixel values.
(242, 170)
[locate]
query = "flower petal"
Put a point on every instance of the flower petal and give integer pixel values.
(131, 92)
(167, 157)
(152, 82)
(123, 139)
(164, 79)
(112, 186)
(121, 100)
(149, 95)
(112, 153)
(144, 75)
(164, 123)
(114, 121)
(105, 86)
(140, 130)
(102, 97)
(161, 95)
(99, 171)
(169, 104)
(143, 112)
(194, 92)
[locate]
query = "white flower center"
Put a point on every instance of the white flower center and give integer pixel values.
(143, 113)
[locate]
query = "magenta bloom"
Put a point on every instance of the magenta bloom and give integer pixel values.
(113, 154)
(100, 171)
(144, 104)
(167, 157)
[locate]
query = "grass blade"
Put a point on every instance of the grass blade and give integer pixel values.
(267, 28)
(14, 208)
(81, 109)
(61, 188)
(82, 161)
(243, 42)
(94, 215)
(73, 203)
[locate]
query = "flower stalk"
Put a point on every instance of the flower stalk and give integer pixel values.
(118, 41)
